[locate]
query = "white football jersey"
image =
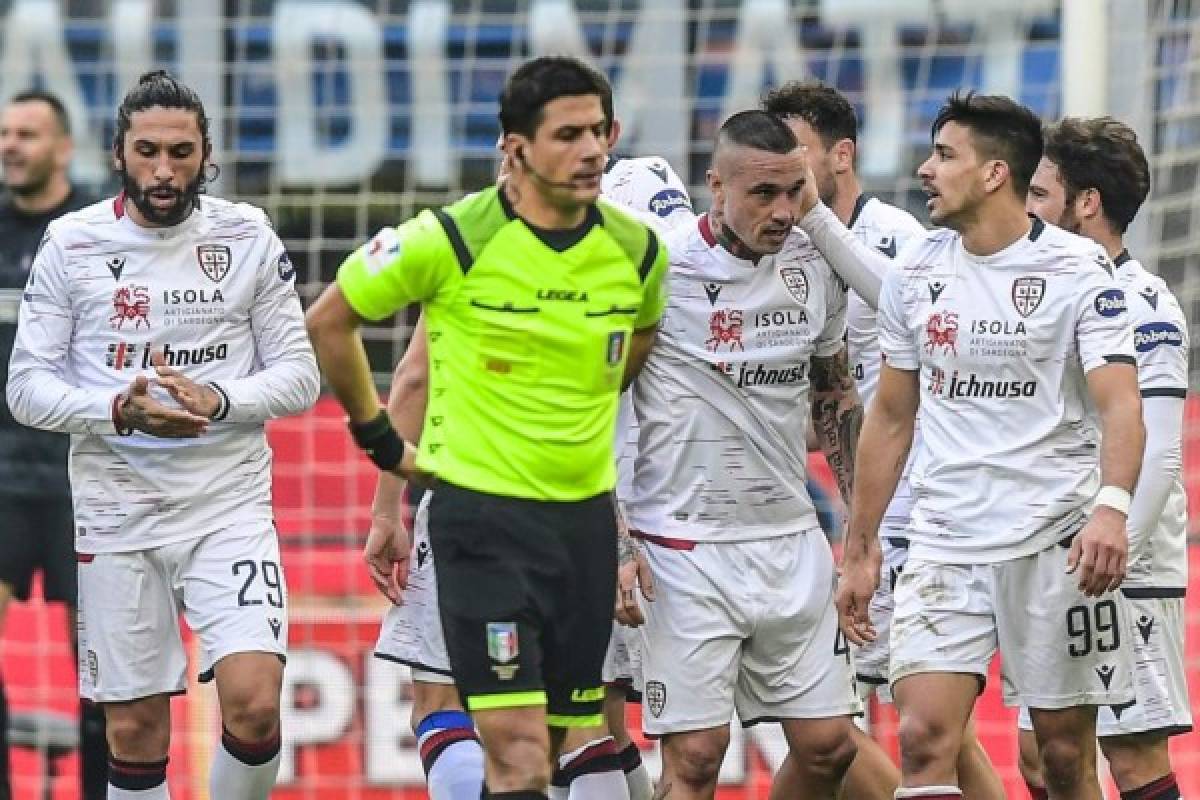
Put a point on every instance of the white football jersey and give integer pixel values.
(888, 229)
(649, 187)
(1160, 343)
(723, 401)
(1009, 456)
(217, 295)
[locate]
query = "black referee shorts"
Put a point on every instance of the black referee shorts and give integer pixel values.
(526, 591)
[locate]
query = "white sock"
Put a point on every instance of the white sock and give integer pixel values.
(157, 793)
(137, 774)
(637, 777)
(936, 792)
(593, 772)
(451, 756)
(242, 771)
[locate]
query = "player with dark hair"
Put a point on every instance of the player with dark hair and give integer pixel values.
(161, 329)
(540, 302)
(1014, 341)
(35, 497)
(1092, 180)
(743, 618)
(825, 123)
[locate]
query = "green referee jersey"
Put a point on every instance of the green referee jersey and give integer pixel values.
(528, 335)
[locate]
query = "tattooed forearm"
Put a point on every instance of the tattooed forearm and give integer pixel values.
(837, 417)
(627, 546)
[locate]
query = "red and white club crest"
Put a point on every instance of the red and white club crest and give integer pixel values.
(1027, 294)
(941, 333)
(724, 330)
(796, 282)
(130, 304)
(214, 261)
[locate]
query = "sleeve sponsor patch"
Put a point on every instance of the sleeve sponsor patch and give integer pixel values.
(668, 201)
(1153, 334)
(381, 250)
(1110, 303)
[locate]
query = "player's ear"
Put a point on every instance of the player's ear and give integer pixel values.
(614, 133)
(843, 155)
(995, 174)
(1088, 204)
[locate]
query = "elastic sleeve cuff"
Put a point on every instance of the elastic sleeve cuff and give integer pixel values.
(115, 416)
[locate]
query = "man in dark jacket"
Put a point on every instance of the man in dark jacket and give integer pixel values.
(35, 498)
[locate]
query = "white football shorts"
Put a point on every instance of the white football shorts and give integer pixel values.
(228, 585)
(1060, 648)
(746, 626)
(1159, 675)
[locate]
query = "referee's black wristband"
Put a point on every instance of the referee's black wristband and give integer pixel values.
(379, 440)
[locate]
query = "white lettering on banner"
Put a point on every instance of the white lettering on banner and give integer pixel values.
(321, 699)
(428, 23)
(651, 89)
(131, 23)
(301, 157)
(391, 757)
(329, 684)
(766, 37)
(202, 67)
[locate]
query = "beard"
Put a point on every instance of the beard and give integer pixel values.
(184, 200)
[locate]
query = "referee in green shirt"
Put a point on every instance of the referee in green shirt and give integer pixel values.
(541, 302)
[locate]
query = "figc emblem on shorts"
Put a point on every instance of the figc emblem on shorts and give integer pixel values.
(1027, 294)
(503, 648)
(214, 261)
(656, 697)
(796, 282)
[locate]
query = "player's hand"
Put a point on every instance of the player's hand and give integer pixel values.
(141, 412)
(633, 572)
(199, 399)
(633, 575)
(858, 578)
(1100, 552)
(387, 554)
(809, 196)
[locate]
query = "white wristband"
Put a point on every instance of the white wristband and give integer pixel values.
(1115, 498)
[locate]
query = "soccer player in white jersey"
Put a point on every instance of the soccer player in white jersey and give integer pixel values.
(162, 329)
(1013, 339)
(402, 567)
(743, 618)
(824, 121)
(1092, 180)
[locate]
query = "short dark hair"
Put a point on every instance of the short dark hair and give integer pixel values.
(159, 88)
(1001, 128)
(535, 83)
(1102, 154)
(820, 105)
(50, 99)
(758, 130)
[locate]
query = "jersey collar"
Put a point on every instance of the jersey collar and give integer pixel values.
(558, 240)
(859, 205)
(1123, 257)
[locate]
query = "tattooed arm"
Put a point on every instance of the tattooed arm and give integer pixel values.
(837, 416)
(633, 572)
